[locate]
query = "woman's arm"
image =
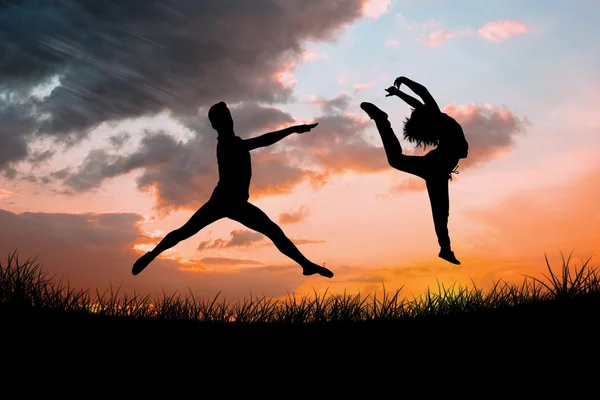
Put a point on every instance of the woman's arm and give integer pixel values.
(419, 90)
(411, 101)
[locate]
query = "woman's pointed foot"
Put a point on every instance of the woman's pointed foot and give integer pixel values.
(373, 111)
(316, 269)
(448, 255)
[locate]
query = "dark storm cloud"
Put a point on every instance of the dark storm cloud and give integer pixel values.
(16, 125)
(155, 150)
(119, 139)
(60, 174)
(124, 59)
(29, 178)
(38, 157)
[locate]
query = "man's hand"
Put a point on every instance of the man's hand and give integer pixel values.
(392, 91)
(303, 128)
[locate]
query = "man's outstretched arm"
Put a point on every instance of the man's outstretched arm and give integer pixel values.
(418, 89)
(270, 138)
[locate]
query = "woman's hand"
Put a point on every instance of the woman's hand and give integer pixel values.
(392, 91)
(399, 81)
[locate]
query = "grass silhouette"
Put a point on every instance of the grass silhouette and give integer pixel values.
(25, 286)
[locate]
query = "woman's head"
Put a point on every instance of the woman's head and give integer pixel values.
(424, 126)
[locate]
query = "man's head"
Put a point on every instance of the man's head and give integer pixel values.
(220, 117)
(424, 126)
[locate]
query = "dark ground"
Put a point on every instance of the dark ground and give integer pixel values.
(542, 348)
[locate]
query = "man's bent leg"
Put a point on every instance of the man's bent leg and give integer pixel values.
(255, 219)
(207, 214)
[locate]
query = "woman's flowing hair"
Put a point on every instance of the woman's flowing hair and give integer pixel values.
(422, 127)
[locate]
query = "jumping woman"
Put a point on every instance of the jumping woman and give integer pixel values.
(426, 126)
(230, 197)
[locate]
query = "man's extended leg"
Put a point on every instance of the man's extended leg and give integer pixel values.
(206, 215)
(437, 188)
(255, 219)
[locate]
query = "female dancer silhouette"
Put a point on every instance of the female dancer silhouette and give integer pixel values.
(230, 197)
(426, 125)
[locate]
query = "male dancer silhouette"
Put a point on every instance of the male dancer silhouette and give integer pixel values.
(230, 197)
(426, 125)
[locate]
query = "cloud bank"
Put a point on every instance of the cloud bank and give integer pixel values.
(90, 63)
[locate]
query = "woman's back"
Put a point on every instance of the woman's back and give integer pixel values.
(452, 141)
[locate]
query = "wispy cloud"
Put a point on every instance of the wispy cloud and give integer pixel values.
(299, 242)
(228, 261)
(437, 37)
(433, 34)
(6, 193)
(359, 87)
(502, 30)
(239, 238)
(295, 216)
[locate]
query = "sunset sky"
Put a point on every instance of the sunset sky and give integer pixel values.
(105, 144)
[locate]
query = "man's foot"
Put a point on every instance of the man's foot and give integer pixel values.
(315, 269)
(142, 263)
(373, 111)
(448, 255)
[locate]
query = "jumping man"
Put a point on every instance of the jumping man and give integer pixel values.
(230, 197)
